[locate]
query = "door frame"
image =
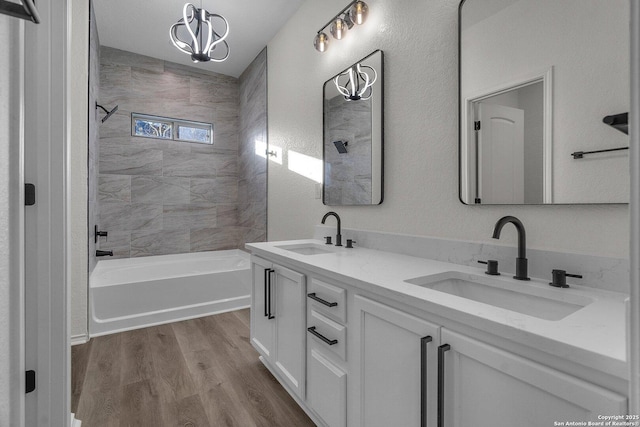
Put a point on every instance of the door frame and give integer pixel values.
(47, 338)
(468, 117)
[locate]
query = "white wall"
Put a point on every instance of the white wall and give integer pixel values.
(419, 39)
(11, 312)
(78, 174)
(587, 44)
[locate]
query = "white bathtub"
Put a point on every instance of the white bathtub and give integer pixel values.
(133, 293)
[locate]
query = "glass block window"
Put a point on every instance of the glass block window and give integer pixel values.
(167, 128)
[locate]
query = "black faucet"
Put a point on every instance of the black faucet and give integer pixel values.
(103, 253)
(521, 261)
(338, 236)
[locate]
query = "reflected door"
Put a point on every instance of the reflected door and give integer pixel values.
(501, 160)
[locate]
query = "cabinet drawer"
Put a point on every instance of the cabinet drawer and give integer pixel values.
(327, 299)
(326, 389)
(328, 334)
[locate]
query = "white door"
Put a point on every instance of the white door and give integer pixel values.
(288, 295)
(395, 352)
(488, 387)
(501, 160)
(262, 324)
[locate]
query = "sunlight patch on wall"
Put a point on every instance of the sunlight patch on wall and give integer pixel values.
(307, 166)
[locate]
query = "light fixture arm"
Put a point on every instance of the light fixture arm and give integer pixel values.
(340, 15)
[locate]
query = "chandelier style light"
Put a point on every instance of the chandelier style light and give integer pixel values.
(354, 14)
(359, 85)
(206, 43)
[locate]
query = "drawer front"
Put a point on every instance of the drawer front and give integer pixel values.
(329, 335)
(327, 299)
(326, 389)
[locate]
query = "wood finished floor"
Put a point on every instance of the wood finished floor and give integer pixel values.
(200, 372)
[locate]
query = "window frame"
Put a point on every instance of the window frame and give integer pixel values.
(175, 125)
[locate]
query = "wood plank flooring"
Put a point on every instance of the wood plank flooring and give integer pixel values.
(200, 372)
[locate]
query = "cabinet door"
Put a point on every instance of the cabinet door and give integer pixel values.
(262, 327)
(289, 300)
(326, 389)
(485, 386)
(395, 367)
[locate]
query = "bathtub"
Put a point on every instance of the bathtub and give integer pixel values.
(133, 293)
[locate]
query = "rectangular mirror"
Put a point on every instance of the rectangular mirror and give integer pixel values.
(353, 134)
(544, 92)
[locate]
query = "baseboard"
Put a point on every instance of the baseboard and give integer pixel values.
(79, 339)
(75, 422)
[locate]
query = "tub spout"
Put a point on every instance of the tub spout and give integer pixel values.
(103, 253)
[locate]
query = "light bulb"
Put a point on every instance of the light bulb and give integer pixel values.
(338, 28)
(321, 42)
(358, 12)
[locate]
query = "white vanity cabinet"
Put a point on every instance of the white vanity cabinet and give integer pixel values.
(277, 320)
(394, 367)
(486, 386)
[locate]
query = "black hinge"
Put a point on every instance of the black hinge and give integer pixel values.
(29, 194)
(30, 381)
(476, 125)
(478, 201)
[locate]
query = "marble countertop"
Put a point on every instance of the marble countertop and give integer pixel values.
(594, 336)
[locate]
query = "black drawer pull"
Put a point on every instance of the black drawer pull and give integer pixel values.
(321, 301)
(441, 350)
(322, 337)
(266, 292)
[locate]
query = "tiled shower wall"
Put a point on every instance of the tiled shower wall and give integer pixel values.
(161, 197)
(252, 165)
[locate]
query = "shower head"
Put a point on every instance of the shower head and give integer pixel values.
(109, 113)
(341, 146)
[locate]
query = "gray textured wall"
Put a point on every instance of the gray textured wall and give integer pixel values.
(252, 168)
(161, 197)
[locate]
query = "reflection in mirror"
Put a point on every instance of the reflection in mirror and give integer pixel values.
(537, 79)
(352, 151)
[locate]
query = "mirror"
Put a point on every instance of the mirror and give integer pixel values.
(353, 134)
(544, 91)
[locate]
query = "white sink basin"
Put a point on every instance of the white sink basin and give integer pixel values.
(548, 304)
(307, 248)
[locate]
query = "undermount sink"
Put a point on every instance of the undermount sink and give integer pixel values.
(544, 304)
(306, 248)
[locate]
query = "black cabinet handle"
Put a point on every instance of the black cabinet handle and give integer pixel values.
(441, 351)
(270, 316)
(322, 337)
(321, 301)
(423, 379)
(266, 292)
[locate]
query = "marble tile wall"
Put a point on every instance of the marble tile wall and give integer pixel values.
(94, 134)
(252, 167)
(161, 197)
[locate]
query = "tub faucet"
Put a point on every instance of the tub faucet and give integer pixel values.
(103, 253)
(338, 236)
(521, 260)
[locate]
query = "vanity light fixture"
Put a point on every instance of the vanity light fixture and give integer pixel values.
(355, 13)
(206, 43)
(359, 84)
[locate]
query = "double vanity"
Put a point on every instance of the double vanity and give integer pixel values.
(364, 337)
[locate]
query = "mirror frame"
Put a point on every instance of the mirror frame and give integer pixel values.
(381, 97)
(462, 119)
